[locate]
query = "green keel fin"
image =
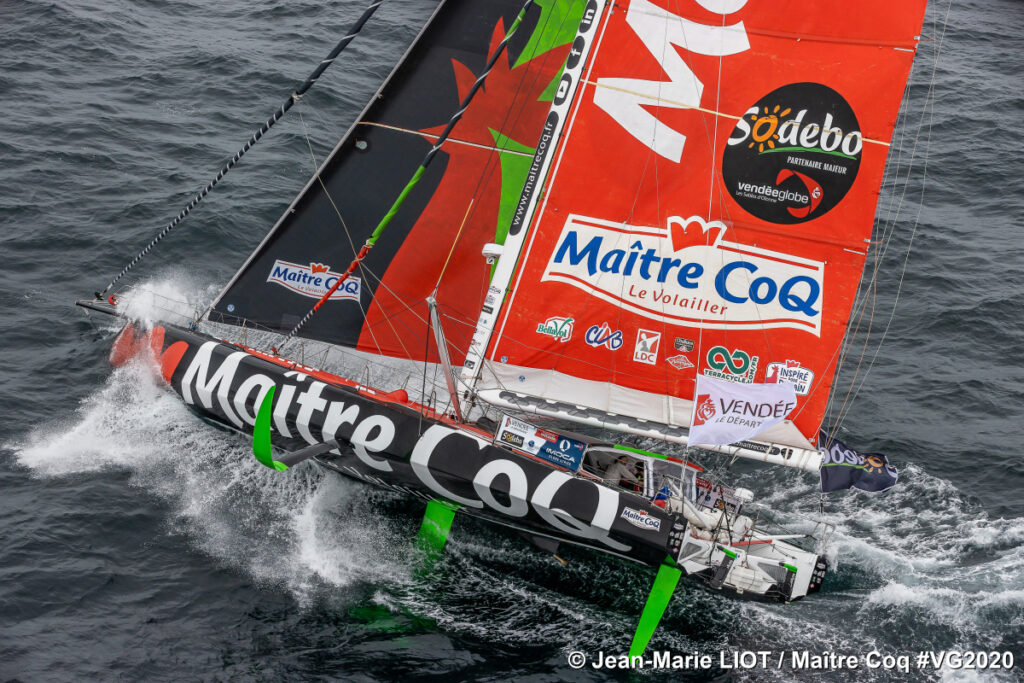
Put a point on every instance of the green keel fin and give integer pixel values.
(657, 601)
(437, 522)
(261, 434)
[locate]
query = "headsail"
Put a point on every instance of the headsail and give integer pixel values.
(709, 211)
(465, 198)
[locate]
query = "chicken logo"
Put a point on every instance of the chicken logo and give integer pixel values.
(704, 411)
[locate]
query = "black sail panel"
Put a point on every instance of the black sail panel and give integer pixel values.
(464, 198)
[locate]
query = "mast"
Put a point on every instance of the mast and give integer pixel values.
(555, 124)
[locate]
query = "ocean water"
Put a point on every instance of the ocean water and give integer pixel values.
(137, 542)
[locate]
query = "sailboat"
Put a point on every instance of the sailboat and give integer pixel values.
(562, 241)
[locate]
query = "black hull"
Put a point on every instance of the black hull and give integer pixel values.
(388, 441)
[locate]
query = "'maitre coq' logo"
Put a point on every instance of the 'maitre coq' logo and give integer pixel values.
(687, 273)
(313, 280)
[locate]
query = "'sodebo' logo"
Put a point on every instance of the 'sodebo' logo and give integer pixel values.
(794, 154)
(313, 280)
(687, 273)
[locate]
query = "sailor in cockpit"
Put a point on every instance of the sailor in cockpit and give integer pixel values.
(619, 473)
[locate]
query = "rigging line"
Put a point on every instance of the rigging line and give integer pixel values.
(497, 328)
(455, 241)
(900, 189)
(890, 230)
(323, 186)
(375, 235)
(512, 117)
(868, 293)
(363, 269)
(292, 99)
(684, 105)
(367, 273)
(929, 111)
(455, 141)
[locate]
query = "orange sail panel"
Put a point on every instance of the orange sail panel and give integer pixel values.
(711, 206)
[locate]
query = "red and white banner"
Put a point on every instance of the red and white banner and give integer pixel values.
(727, 412)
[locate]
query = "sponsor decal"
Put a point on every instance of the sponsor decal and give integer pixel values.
(844, 468)
(313, 280)
(387, 448)
(727, 412)
(603, 335)
(511, 438)
(794, 154)
(684, 345)
(534, 177)
(546, 435)
(543, 443)
(679, 362)
(672, 41)
(736, 365)
(641, 518)
(704, 409)
(646, 348)
(559, 328)
(488, 309)
(716, 496)
(688, 273)
(790, 371)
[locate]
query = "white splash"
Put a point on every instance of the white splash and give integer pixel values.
(297, 528)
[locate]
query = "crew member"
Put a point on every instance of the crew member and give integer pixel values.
(619, 474)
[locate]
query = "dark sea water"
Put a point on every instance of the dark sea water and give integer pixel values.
(139, 543)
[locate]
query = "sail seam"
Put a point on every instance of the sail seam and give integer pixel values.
(684, 105)
(420, 133)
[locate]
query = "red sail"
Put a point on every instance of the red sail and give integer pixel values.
(465, 199)
(711, 206)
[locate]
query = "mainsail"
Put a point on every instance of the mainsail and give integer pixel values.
(466, 197)
(707, 213)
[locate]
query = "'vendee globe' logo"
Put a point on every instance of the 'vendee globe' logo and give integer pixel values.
(313, 280)
(686, 273)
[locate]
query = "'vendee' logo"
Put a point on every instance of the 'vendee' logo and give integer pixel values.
(313, 280)
(686, 273)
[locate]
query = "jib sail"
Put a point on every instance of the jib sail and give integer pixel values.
(465, 199)
(709, 210)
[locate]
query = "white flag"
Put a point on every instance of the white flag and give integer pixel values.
(726, 412)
